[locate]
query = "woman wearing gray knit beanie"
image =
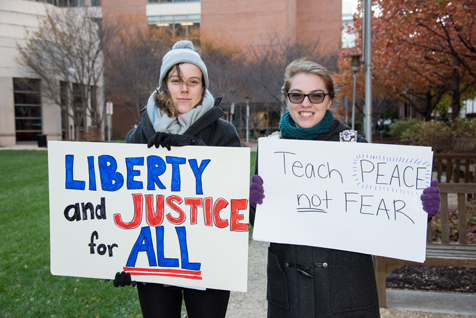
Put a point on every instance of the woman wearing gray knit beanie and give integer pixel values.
(181, 111)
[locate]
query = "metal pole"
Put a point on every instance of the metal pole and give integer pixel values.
(368, 70)
(364, 8)
(353, 100)
(346, 110)
(109, 122)
(267, 120)
(247, 119)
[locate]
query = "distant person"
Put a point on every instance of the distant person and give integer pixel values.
(180, 112)
(305, 281)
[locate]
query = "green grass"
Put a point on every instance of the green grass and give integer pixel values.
(252, 163)
(27, 288)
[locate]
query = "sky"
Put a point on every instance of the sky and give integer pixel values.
(353, 3)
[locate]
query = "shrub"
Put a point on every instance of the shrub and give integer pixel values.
(463, 127)
(436, 134)
(400, 126)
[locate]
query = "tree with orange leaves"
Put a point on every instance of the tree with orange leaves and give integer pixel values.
(440, 34)
(423, 50)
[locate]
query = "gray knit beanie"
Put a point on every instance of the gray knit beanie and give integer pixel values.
(182, 52)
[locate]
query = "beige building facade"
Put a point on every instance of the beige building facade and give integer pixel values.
(23, 115)
(26, 112)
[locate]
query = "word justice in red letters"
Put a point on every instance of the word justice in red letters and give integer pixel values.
(219, 213)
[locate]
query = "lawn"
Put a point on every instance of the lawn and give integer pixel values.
(27, 288)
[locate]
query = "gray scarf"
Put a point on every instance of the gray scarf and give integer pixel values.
(177, 125)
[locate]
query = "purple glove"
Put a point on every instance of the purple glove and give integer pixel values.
(256, 191)
(431, 199)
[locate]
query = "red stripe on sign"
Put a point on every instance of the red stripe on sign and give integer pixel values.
(188, 274)
(156, 270)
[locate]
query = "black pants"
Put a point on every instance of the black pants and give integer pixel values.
(159, 301)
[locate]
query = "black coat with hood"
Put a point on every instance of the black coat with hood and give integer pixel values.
(209, 128)
(343, 284)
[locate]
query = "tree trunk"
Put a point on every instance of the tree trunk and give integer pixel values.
(456, 94)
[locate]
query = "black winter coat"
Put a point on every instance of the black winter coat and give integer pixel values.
(209, 128)
(343, 284)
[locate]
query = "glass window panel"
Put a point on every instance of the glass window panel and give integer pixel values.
(193, 17)
(167, 19)
(179, 29)
(24, 84)
(194, 26)
(27, 118)
(28, 111)
(28, 124)
(92, 92)
(27, 98)
(27, 136)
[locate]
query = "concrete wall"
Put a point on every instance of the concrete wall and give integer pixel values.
(7, 114)
(16, 19)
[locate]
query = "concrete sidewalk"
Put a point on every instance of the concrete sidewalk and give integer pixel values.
(401, 303)
(24, 146)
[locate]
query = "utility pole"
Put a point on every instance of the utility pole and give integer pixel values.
(247, 119)
(368, 69)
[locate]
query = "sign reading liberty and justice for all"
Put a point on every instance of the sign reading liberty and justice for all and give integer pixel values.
(348, 196)
(176, 217)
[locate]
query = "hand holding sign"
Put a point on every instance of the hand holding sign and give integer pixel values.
(123, 279)
(256, 191)
(166, 140)
(431, 199)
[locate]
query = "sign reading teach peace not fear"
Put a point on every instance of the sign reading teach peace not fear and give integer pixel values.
(348, 196)
(176, 217)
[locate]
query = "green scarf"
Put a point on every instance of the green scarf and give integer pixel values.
(289, 130)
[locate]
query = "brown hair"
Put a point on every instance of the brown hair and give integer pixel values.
(162, 95)
(304, 65)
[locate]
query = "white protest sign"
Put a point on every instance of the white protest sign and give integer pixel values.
(348, 196)
(176, 217)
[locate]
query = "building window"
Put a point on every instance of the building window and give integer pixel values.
(168, 1)
(181, 25)
(27, 101)
(78, 108)
(73, 3)
(94, 104)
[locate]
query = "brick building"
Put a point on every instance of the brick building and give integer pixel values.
(249, 23)
(257, 23)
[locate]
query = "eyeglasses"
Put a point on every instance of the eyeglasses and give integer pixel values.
(315, 98)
